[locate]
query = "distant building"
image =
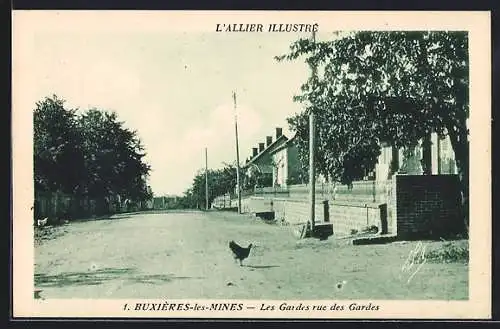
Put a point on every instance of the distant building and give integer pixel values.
(260, 167)
(286, 164)
(434, 156)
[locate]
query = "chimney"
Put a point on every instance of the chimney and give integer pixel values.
(254, 151)
(269, 140)
(279, 132)
(261, 147)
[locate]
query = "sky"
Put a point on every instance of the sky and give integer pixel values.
(174, 87)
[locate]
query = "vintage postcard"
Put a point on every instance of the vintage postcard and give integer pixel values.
(257, 164)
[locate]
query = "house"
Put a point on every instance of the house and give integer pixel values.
(259, 166)
(286, 164)
(434, 156)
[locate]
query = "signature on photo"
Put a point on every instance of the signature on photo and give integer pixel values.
(414, 262)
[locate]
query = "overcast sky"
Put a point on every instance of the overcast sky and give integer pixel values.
(175, 89)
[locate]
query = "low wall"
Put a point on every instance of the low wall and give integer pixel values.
(296, 212)
(411, 206)
(345, 217)
(348, 218)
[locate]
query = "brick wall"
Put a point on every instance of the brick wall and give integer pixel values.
(427, 206)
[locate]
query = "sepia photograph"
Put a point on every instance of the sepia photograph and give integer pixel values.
(251, 164)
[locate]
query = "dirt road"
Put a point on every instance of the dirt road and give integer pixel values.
(186, 255)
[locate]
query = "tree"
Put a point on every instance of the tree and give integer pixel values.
(113, 157)
(89, 154)
(220, 182)
(342, 155)
(367, 95)
(58, 156)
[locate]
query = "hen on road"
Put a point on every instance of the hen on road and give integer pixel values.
(239, 253)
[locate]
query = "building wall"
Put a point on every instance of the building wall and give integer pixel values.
(384, 163)
(287, 167)
(447, 163)
(442, 159)
(294, 166)
(280, 170)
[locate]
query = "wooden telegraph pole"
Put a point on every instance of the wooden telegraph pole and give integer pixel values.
(206, 178)
(237, 154)
(312, 173)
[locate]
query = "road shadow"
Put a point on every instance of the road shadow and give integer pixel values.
(86, 278)
(261, 266)
(99, 276)
(109, 217)
(112, 217)
(159, 278)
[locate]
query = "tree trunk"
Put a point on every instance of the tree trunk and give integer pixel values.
(460, 144)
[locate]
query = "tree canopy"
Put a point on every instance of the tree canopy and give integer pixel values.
(395, 87)
(220, 182)
(88, 154)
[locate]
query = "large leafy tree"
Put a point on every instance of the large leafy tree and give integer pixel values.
(58, 156)
(88, 154)
(394, 87)
(113, 157)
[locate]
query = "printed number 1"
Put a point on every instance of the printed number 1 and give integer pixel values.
(125, 308)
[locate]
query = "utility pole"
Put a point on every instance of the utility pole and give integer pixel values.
(237, 154)
(206, 178)
(312, 171)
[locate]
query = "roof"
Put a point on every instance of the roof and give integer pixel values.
(288, 143)
(267, 149)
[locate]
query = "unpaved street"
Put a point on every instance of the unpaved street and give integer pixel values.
(186, 255)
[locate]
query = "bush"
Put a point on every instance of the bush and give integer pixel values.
(450, 252)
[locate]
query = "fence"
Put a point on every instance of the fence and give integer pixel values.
(60, 206)
(359, 191)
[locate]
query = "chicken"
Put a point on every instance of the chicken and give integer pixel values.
(239, 253)
(37, 294)
(42, 222)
